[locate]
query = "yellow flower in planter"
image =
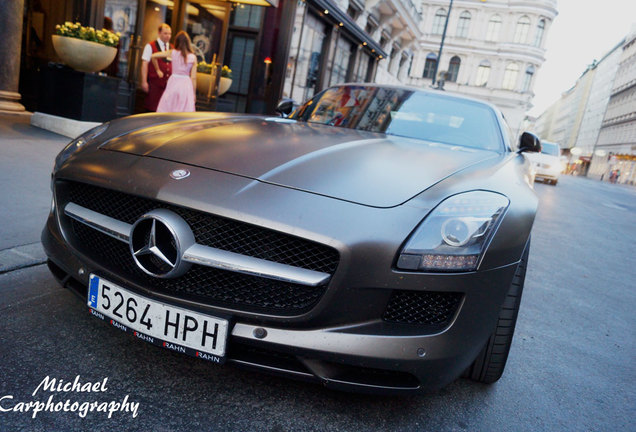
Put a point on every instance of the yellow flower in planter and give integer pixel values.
(205, 68)
(103, 36)
(226, 72)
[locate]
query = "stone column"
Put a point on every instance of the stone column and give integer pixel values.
(11, 31)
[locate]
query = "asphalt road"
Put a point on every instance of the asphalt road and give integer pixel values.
(571, 366)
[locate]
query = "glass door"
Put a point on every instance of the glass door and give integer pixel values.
(155, 13)
(206, 22)
(309, 59)
(303, 67)
(121, 15)
(247, 80)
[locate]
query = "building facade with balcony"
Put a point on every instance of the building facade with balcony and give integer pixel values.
(493, 50)
(396, 25)
(615, 148)
(574, 120)
(595, 120)
(296, 48)
(598, 99)
(571, 110)
(275, 48)
(333, 42)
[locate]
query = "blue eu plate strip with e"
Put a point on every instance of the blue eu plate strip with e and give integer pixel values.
(92, 291)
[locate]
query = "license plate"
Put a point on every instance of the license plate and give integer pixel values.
(159, 323)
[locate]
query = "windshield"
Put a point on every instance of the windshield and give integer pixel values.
(407, 113)
(549, 148)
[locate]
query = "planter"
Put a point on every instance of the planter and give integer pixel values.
(78, 95)
(203, 84)
(224, 85)
(82, 55)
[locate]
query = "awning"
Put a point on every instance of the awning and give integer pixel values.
(337, 16)
(273, 3)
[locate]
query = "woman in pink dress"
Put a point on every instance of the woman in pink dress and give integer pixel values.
(179, 95)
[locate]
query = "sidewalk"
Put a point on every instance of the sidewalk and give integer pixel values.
(597, 178)
(27, 154)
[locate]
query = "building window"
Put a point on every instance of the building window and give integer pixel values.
(371, 27)
(383, 41)
(540, 30)
(522, 29)
(395, 50)
(510, 76)
(248, 16)
(453, 68)
(429, 66)
(439, 21)
(463, 24)
(304, 64)
(242, 48)
(404, 58)
(494, 26)
(342, 57)
(527, 82)
(361, 70)
(483, 73)
(353, 11)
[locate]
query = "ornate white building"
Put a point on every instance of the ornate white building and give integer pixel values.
(493, 50)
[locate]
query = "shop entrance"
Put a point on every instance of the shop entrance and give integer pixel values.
(205, 21)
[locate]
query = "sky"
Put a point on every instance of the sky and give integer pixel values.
(583, 31)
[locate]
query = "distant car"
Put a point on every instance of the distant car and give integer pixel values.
(547, 164)
(375, 240)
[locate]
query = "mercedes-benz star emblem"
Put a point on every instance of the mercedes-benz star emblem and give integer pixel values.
(179, 174)
(157, 242)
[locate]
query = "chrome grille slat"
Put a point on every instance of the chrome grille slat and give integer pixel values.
(204, 255)
(215, 286)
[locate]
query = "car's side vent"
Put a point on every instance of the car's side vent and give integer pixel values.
(422, 307)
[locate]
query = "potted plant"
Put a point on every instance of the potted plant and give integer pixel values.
(226, 80)
(204, 77)
(84, 48)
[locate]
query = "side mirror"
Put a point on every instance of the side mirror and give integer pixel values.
(529, 142)
(285, 107)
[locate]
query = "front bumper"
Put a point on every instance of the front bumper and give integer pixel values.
(551, 173)
(356, 355)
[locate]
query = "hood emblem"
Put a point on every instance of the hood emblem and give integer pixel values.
(157, 242)
(180, 174)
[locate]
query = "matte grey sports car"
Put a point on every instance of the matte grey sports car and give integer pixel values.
(374, 240)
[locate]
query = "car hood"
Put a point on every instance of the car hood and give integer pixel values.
(362, 167)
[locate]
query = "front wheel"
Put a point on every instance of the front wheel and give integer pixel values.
(491, 361)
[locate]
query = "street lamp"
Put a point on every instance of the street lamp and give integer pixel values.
(441, 45)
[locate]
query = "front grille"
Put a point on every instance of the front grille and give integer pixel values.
(209, 230)
(422, 307)
(203, 284)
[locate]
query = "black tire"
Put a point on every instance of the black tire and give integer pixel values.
(554, 182)
(491, 361)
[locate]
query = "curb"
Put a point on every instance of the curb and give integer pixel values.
(61, 125)
(21, 256)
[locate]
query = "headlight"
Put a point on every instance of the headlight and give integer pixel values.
(454, 236)
(77, 144)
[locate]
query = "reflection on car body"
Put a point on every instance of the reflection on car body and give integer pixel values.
(375, 240)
